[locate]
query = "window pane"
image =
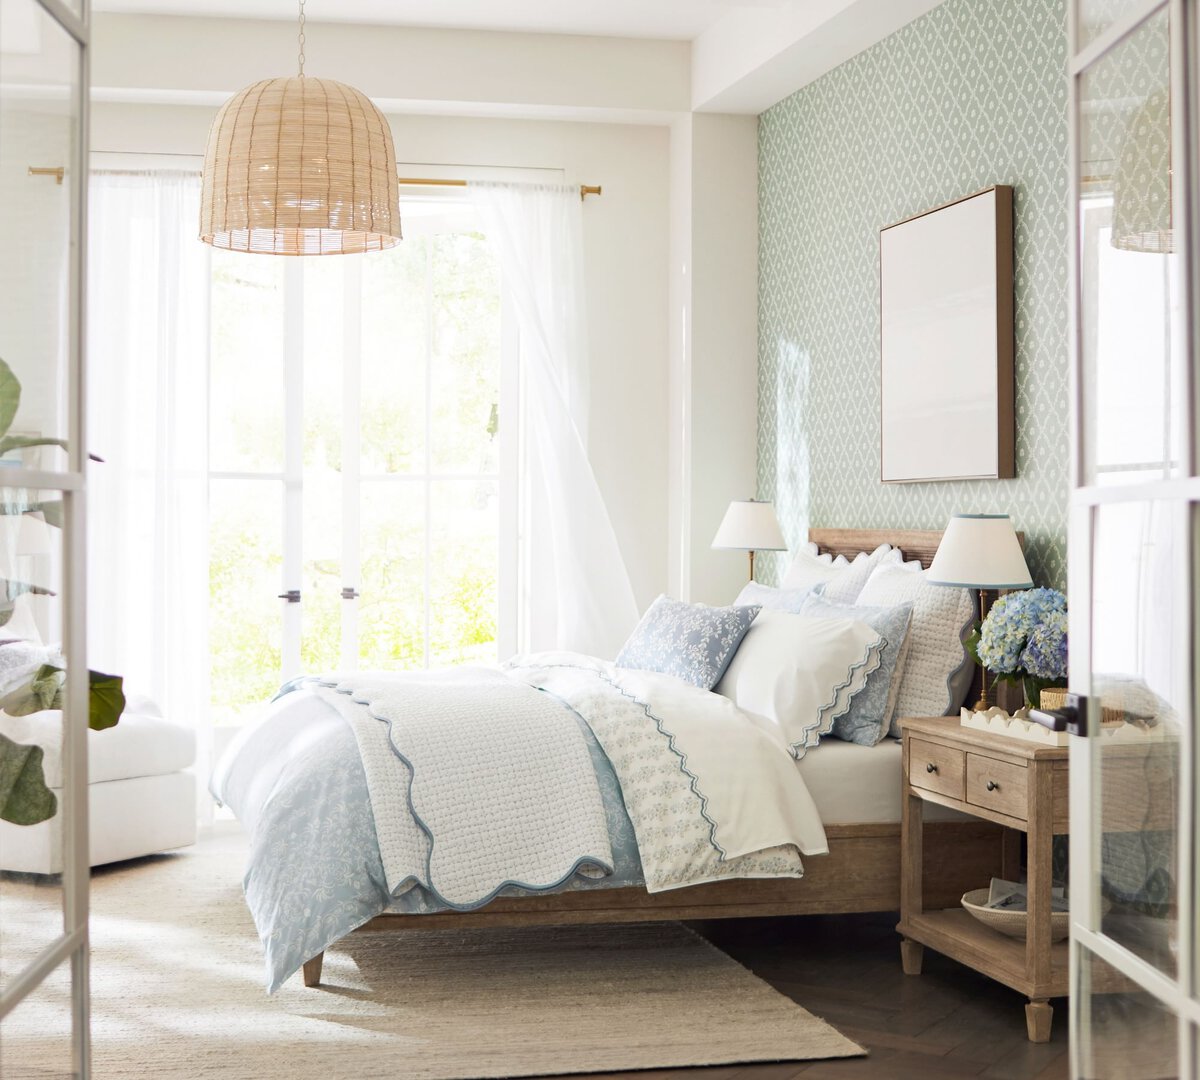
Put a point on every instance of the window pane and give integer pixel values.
(324, 300)
(38, 128)
(246, 399)
(465, 369)
(1140, 678)
(245, 569)
(1126, 1034)
(36, 1044)
(395, 338)
(464, 571)
(321, 581)
(1133, 367)
(391, 615)
(1096, 16)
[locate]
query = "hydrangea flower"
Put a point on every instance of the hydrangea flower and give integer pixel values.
(1025, 636)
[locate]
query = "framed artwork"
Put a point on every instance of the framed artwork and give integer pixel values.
(946, 342)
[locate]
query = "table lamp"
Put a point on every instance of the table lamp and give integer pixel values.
(749, 525)
(980, 551)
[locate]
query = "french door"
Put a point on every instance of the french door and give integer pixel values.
(1134, 538)
(44, 944)
(361, 509)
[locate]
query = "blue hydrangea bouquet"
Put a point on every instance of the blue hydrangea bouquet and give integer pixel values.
(1024, 639)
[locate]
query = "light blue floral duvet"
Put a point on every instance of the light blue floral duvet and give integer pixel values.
(296, 782)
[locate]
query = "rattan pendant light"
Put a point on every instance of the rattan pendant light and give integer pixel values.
(300, 166)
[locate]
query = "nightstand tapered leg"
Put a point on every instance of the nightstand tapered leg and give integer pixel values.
(911, 955)
(1038, 1017)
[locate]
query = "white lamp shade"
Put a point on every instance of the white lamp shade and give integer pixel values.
(980, 551)
(750, 525)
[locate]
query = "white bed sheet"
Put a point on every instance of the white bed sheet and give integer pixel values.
(860, 785)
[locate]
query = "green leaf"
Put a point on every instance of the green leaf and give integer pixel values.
(22, 442)
(106, 700)
(106, 696)
(24, 797)
(10, 397)
(972, 645)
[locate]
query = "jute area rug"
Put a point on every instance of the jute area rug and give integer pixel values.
(177, 992)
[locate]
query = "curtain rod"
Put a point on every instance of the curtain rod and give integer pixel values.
(584, 189)
(410, 181)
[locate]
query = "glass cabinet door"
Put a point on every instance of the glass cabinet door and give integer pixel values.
(1133, 534)
(43, 669)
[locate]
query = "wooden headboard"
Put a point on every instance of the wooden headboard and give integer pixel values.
(915, 543)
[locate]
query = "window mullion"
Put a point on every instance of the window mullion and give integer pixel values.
(426, 606)
(351, 457)
(293, 462)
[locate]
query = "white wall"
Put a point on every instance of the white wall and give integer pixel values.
(626, 238)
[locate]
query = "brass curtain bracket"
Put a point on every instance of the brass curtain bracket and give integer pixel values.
(57, 171)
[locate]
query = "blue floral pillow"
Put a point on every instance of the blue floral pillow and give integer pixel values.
(693, 642)
(866, 721)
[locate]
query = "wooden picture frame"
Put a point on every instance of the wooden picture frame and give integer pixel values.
(946, 308)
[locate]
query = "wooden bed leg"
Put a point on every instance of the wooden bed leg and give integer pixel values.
(312, 970)
(911, 955)
(1039, 1014)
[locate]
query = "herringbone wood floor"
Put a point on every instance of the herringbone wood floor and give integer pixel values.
(946, 1022)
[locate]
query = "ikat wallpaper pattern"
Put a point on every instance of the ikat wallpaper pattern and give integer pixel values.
(971, 94)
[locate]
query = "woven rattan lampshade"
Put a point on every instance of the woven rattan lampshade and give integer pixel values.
(300, 166)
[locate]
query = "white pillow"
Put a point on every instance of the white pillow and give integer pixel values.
(800, 672)
(842, 580)
(937, 670)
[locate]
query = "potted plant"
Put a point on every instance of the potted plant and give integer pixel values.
(25, 798)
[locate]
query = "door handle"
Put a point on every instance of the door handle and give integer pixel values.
(1071, 718)
(292, 596)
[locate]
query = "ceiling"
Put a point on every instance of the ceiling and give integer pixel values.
(672, 19)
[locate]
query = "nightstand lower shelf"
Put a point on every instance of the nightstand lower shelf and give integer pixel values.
(960, 936)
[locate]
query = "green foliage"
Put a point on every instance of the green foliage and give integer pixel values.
(24, 797)
(106, 696)
(10, 397)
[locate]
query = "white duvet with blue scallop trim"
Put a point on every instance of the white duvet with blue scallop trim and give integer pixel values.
(419, 793)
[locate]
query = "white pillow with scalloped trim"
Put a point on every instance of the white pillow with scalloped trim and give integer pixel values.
(842, 579)
(800, 672)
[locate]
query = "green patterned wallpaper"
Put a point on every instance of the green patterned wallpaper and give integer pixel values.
(969, 95)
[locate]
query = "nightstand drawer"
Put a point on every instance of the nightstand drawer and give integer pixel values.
(935, 768)
(998, 785)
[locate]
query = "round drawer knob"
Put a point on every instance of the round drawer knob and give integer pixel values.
(931, 767)
(992, 785)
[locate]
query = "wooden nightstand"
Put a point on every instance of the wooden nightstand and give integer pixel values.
(1018, 784)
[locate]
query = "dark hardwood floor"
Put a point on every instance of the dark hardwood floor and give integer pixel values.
(946, 1022)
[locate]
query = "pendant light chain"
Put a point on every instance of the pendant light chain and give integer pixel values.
(300, 39)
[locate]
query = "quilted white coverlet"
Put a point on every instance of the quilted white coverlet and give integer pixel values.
(476, 781)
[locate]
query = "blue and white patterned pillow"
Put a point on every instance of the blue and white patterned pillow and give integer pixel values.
(870, 713)
(693, 642)
(790, 600)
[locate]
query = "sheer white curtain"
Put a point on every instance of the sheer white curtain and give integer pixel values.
(576, 589)
(147, 418)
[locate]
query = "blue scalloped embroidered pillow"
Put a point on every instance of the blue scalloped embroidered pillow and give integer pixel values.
(693, 642)
(867, 720)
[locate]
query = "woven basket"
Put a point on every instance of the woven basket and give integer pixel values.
(1012, 923)
(1056, 698)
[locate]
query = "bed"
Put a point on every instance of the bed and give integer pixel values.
(312, 878)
